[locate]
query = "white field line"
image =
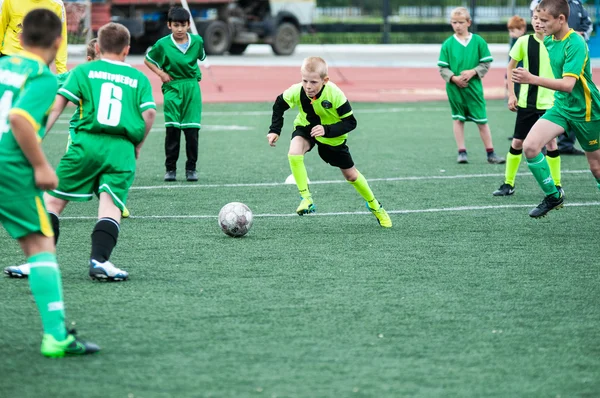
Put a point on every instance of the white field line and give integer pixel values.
(352, 213)
(341, 181)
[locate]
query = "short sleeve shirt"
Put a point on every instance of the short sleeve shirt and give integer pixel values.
(458, 57)
(179, 63)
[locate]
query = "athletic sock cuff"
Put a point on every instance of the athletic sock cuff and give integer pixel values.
(42, 257)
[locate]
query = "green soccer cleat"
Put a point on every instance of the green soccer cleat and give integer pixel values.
(306, 207)
(383, 218)
(72, 345)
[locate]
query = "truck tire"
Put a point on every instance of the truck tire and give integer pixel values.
(216, 37)
(237, 49)
(286, 38)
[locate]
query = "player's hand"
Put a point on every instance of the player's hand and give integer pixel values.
(138, 148)
(522, 76)
(317, 131)
(272, 138)
(468, 74)
(459, 81)
(512, 103)
(45, 177)
(164, 76)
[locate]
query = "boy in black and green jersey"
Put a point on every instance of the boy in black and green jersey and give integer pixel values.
(464, 60)
(576, 101)
(116, 114)
(27, 90)
(325, 118)
(174, 58)
(531, 104)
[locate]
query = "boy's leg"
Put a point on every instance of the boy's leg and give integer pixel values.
(513, 160)
(486, 137)
(354, 177)
(543, 132)
(172, 143)
(298, 147)
(191, 150)
(458, 128)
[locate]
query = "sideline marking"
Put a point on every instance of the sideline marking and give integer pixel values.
(351, 213)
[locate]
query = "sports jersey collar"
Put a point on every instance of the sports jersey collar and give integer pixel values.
(464, 42)
(567, 35)
(177, 45)
(27, 54)
(110, 61)
(318, 94)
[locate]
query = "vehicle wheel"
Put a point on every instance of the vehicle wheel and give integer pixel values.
(286, 38)
(216, 37)
(237, 49)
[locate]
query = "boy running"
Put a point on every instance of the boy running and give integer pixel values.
(27, 89)
(325, 118)
(174, 59)
(464, 60)
(530, 106)
(576, 101)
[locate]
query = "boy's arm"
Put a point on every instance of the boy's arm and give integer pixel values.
(566, 84)
(482, 69)
(446, 73)
(512, 97)
(342, 127)
(164, 77)
(60, 103)
(148, 115)
(61, 56)
(279, 108)
(4, 19)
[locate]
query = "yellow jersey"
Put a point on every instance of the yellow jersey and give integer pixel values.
(11, 20)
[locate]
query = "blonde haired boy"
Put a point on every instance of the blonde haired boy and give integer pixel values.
(324, 119)
(464, 60)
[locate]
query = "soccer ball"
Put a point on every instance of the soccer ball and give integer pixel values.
(235, 219)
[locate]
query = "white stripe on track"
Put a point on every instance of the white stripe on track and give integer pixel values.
(390, 179)
(353, 213)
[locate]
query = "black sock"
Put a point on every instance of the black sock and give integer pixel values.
(515, 152)
(55, 226)
(553, 154)
(104, 239)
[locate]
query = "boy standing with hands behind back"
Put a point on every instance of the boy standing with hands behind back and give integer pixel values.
(464, 60)
(174, 58)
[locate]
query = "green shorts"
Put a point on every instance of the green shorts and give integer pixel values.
(183, 104)
(96, 163)
(467, 104)
(587, 133)
(22, 210)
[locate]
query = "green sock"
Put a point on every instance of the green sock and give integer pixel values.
(46, 288)
(598, 182)
(512, 166)
(554, 164)
(362, 187)
(300, 175)
(541, 171)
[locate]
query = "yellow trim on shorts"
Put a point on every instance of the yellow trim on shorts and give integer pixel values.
(26, 115)
(45, 226)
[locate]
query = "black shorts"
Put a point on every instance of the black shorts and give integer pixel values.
(526, 118)
(337, 156)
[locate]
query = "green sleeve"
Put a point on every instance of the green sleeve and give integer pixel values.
(156, 55)
(70, 89)
(341, 104)
(444, 60)
(484, 51)
(36, 98)
(575, 55)
(517, 52)
(201, 52)
(146, 99)
(292, 95)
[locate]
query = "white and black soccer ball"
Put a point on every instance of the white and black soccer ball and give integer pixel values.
(235, 219)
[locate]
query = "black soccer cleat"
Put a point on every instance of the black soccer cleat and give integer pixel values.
(191, 175)
(171, 175)
(549, 203)
(504, 190)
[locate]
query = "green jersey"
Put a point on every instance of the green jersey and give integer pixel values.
(111, 96)
(534, 55)
(459, 56)
(62, 79)
(570, 57)
(329, 107)
(27, 88)
(178, 61)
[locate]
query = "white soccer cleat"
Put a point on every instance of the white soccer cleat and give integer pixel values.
(18, 271)
(106, 271)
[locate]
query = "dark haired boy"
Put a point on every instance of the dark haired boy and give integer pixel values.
(174, 59)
